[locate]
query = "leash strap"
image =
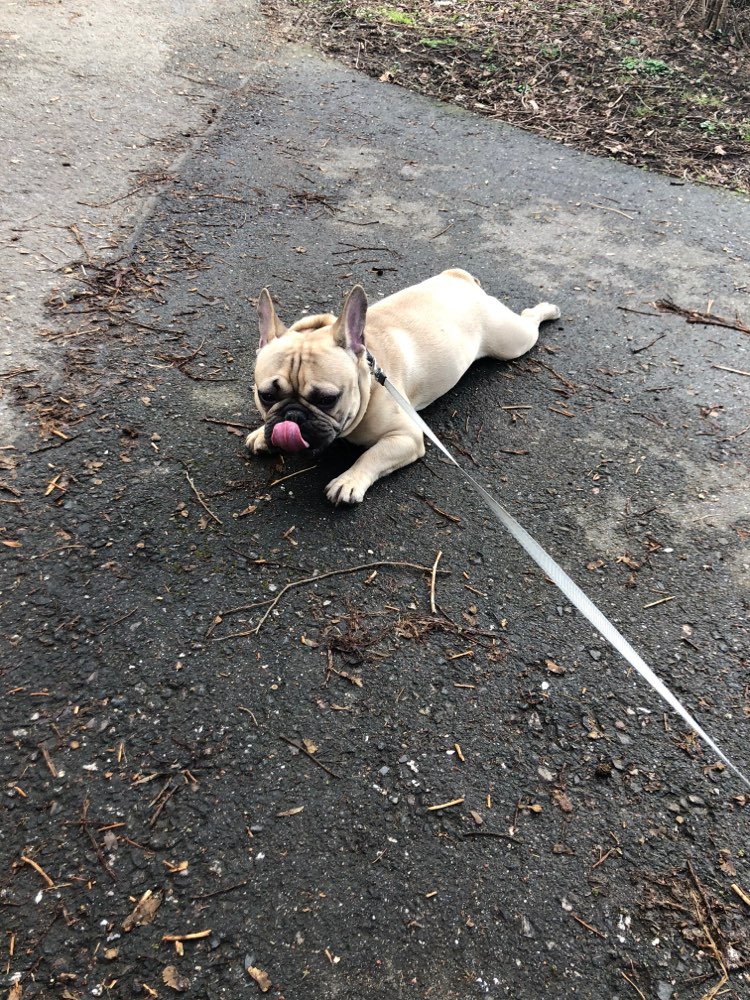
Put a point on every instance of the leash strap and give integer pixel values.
(559, 577)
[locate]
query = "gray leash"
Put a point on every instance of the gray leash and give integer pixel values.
(559, 577)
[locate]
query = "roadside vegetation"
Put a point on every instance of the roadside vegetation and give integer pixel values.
(648, 84)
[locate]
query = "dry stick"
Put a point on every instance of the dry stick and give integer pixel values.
(38, 868)
(734, 371)
(79, 240)
(640, 312)
(84, 824)
(220, 892)
(606, 208)
(200, 499)
(443, 513)
(313, 579)
(704, 319)
(629, 980)
(306, 752)
(291, 476)
(18, 371)
(645, 347)
(588, 927)
(227, 423)
(439, 556)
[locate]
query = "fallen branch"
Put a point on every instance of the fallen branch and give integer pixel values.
(306, 752)
(200, 499)
(704, 318)
(303, 582)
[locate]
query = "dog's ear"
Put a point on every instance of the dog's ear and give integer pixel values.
(268, 322)
(349, 328)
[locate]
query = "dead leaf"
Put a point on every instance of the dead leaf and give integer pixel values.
(310, 746)
(476, 817)
(261, 978)
(554, 668)
(111, 954)
(309, 642)
(16, 992)
(562, 801)
(725, 863)
(175, 867)
(352, 678)
(11, 543)
(291, 812)
(144, 912)
(629, 561)
(174, 979)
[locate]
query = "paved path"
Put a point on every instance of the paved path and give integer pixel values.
(274, 789)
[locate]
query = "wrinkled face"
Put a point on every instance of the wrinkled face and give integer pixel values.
(307, 377)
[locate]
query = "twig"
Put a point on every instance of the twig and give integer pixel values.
(653, 604)
(311, 579)
(588, 927)
(227, 423)
(291, 476)
(50, 447)
(38, 868)
(104, 204)
(645, 347)
(640, 312)
(734, 371)
(492, 833)
(441, 231)
(79, 240)
(446, 805)
(220, 892)
(606, 208)
(439, 556)
(117, 621)
(306, 752)
(200, 499)
(630, 981)
(84, 824)
(18, 371)
(703, 318)
(443, 513)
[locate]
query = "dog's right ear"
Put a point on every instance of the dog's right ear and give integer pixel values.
(268, 322)
(349, 328)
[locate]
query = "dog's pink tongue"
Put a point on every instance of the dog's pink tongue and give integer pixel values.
(288, 437)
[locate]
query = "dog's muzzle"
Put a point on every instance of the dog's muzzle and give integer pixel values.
(296, 428)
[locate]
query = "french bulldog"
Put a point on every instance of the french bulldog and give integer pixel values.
(313, 382)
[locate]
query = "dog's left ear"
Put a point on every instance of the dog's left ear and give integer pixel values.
(349, 328)
(268, 322)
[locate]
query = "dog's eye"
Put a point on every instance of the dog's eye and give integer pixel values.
(325, 401)
(266, 397)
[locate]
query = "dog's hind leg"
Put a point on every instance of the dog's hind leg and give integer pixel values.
(507, 335)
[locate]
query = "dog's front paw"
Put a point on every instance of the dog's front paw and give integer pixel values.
(255, 442)
(347, 488)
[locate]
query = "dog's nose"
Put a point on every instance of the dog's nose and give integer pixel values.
(296, 413)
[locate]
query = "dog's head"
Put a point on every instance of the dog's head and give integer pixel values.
(311, 379)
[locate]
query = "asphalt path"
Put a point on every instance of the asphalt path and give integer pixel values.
(344, 793)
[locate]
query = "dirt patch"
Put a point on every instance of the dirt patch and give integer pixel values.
(648, 87)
